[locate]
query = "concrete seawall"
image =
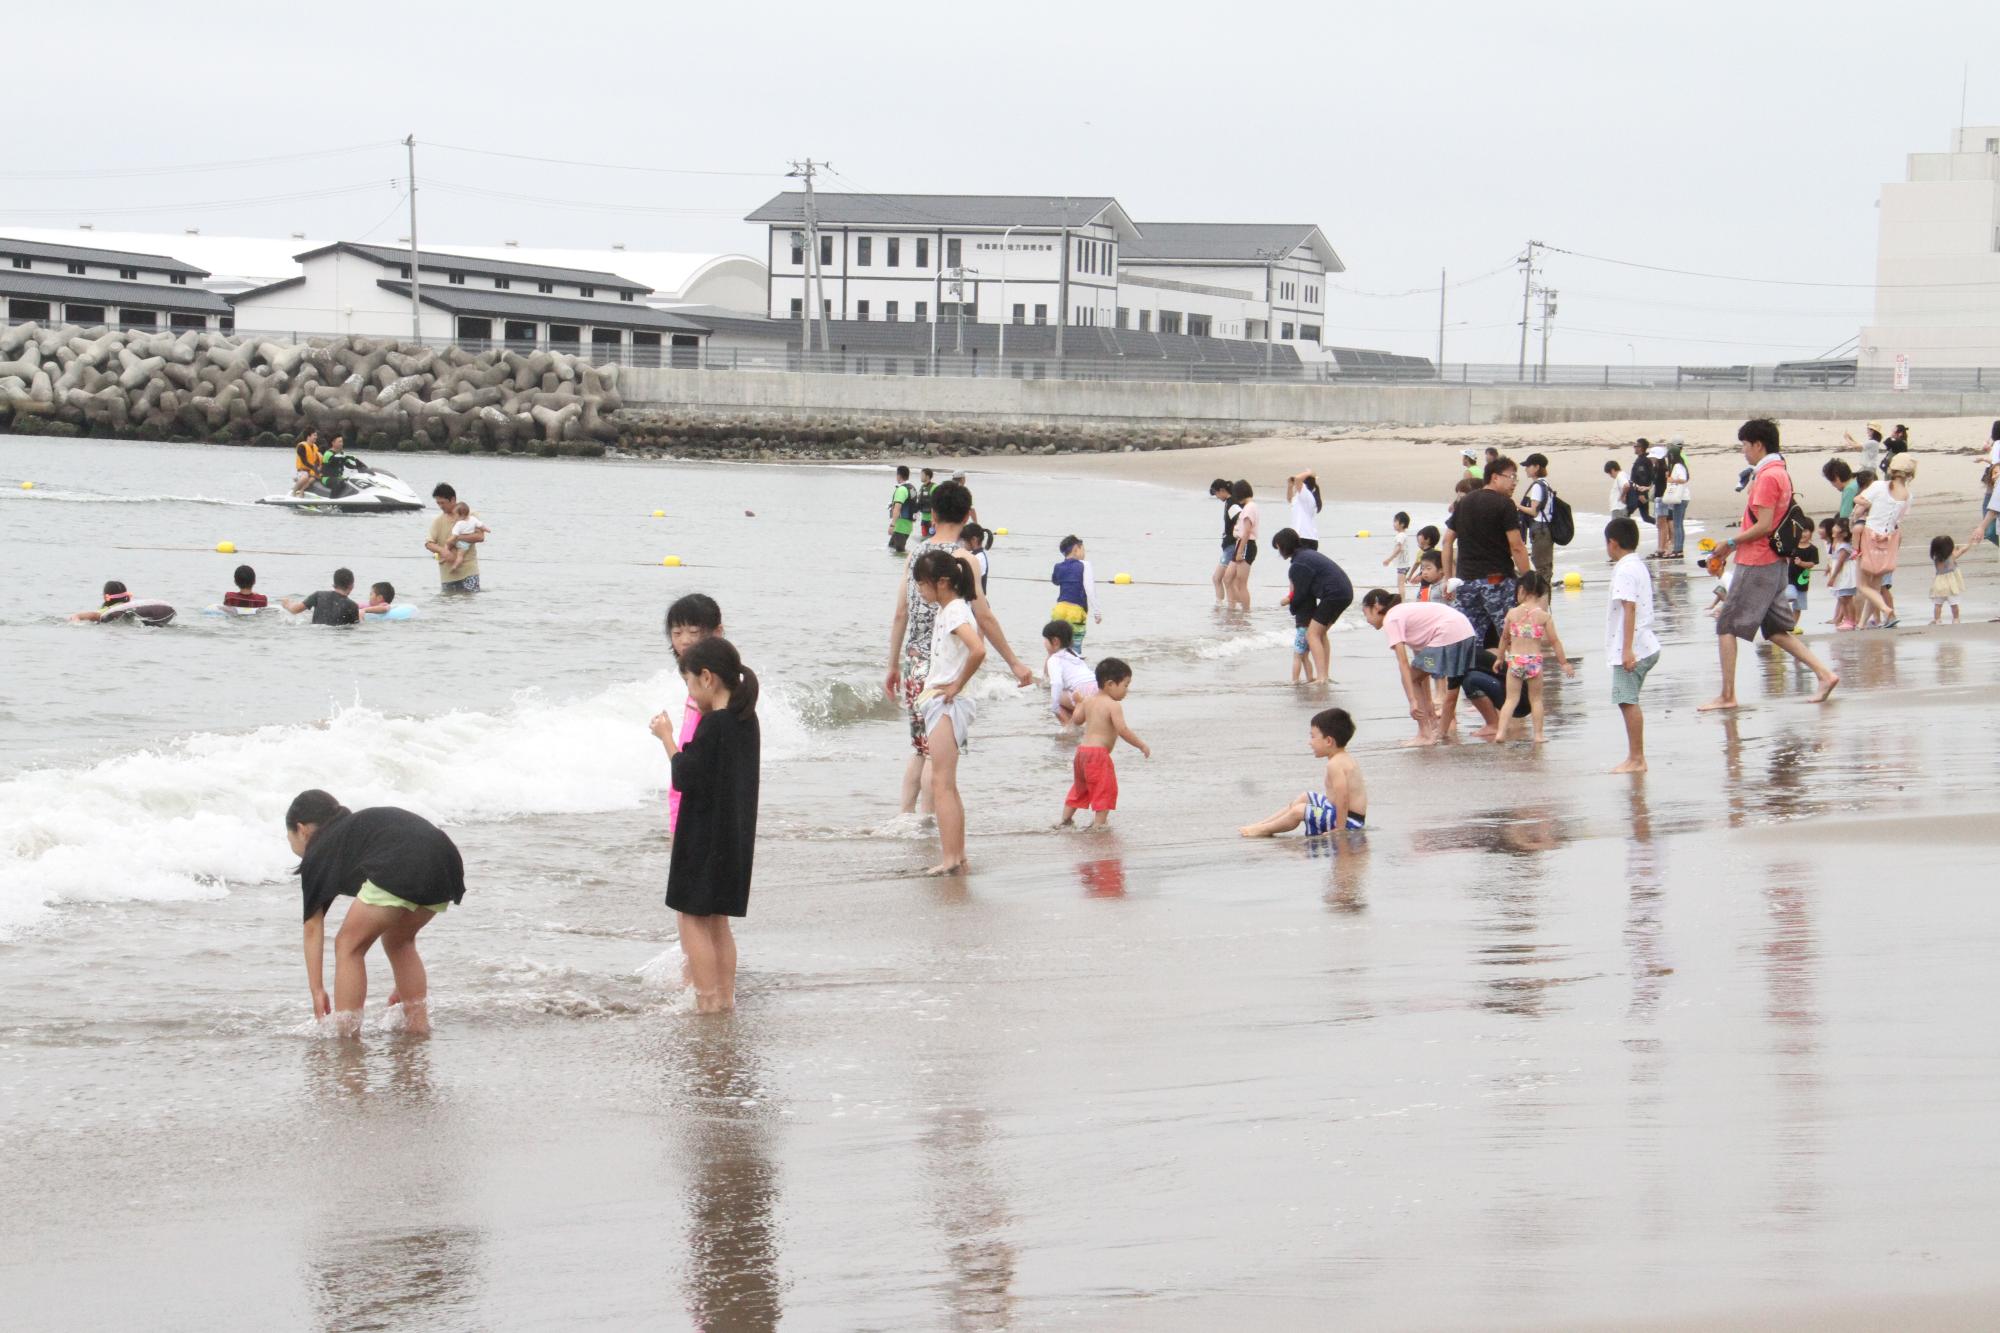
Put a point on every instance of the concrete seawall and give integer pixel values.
(1055, 402)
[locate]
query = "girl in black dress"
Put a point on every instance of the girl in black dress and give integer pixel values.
(708, 880)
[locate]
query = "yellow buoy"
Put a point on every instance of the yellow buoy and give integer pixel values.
(1705, 544)
(1000, 532)
(225, 548)
(27, 485)
(671, 561)
(1364, 533)
(1121, 578)
(659, 513)
(1572, 580)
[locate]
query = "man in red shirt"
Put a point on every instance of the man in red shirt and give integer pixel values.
(1757, 590)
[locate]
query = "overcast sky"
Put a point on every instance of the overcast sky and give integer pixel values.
(1743, 138)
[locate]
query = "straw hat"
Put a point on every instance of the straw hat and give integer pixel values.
(1903, 465)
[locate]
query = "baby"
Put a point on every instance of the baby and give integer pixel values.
(466, 525)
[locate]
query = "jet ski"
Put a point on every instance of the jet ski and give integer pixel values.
(363, 490)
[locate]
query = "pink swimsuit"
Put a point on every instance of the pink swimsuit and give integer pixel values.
(689, 721)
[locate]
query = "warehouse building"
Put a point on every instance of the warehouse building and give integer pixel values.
(46, 283)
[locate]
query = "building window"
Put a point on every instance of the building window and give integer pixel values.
(1285, 331)
(1145, 321)
(1020, 313)
(923, 252)
(1309, 333)
(798, 249)
(130, 274)
(1170, 321)
(404, 271)
(545, 288)
(456, 279)
(891, 310)
(861, 310)
(826, 307)
(23, 263)
(178, 279)
(85, 315)
(923, 307)
(586, 291)
(1041, 314)
(77, 269)
(864, 251)
(139, 319)
(825, 251)
(1199, 325)
(26, 312)
(798, 307)
(628, 296)
(1124, 317)
(503, 284)
(895, 252)
(951, 253)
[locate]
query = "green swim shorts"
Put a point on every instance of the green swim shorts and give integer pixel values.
(376, 896)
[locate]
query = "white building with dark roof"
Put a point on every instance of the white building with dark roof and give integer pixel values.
(1249, 280)
(1025, 259)
(475, 301)
(47, 283)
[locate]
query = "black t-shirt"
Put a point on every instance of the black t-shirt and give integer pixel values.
(390, 848)
(1230, 509)
(1317, 581)
(1640, 478)
(332, 608)
(1483, 521)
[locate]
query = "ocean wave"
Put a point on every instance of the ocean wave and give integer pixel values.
(184, 821)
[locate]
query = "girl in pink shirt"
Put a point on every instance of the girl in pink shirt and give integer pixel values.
(689, 620)
(1429, 639)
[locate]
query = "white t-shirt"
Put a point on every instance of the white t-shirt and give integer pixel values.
(1537, 498)
(1885, 511)
(1616, 502)
(1305, 515)
(1399, 555)
(948, 651)
(1630, 583)
(1677, 485)
(1069, 674)
(1850, 573)
(465, 527)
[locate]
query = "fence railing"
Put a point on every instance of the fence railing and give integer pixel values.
(1245, 363)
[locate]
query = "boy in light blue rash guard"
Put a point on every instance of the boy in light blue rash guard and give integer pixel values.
(1075, 590)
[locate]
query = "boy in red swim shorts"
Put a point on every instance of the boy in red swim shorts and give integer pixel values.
(1103, 718)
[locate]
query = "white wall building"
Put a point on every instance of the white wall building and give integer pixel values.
(1229, 280)
(1937, 263)
(60, 283)
(349, 288)
(1025, 259)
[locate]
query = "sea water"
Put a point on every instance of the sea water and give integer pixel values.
(1580, 1035)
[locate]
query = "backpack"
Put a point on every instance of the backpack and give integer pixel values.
(1562, 523)
(1794, 531)
(908, 507)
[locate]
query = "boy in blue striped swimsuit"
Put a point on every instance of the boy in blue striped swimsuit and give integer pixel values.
(1344, 803)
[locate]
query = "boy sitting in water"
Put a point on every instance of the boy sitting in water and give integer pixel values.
(1344, 803)
(245, 597)
(1071, 680)
(1103, 718)
(466, 526)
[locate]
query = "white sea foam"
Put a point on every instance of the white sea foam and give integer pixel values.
(185, 821)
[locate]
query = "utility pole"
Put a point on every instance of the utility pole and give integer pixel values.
(1270, 258)
(1062, 294)
(1440, 323)
(1548, 295)
(416, 279)
(814, 277)
(958, 303)
(1527, 285)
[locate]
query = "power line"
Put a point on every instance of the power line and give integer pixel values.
(205, 205)
(573, 204)
(601, 166)
(1427, 290)
(117, 173)
(1769, 282)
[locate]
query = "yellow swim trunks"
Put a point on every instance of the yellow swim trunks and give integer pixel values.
(1069, 611)
(376, 896)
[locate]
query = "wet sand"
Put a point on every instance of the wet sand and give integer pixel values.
(1707, 1048)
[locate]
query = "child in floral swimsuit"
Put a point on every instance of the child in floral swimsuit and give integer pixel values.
(1529, 635)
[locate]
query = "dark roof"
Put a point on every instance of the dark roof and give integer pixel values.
(1224, 243)
(110, 291)
(943, 210)
(265, 290)
(528, 305)
(717, 319)
(1367, 358)
(395, 257)
(83, 254)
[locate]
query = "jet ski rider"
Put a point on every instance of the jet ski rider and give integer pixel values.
(334, 465)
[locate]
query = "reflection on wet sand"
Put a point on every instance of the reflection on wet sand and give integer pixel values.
(1791, 969)
(1646, 965)
(1103, 878)
(360, 1275)
(1347, 873)
(720, 1108)
(970, 1208)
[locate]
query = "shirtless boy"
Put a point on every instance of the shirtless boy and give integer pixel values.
(1103, 718)
(1344, 804)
